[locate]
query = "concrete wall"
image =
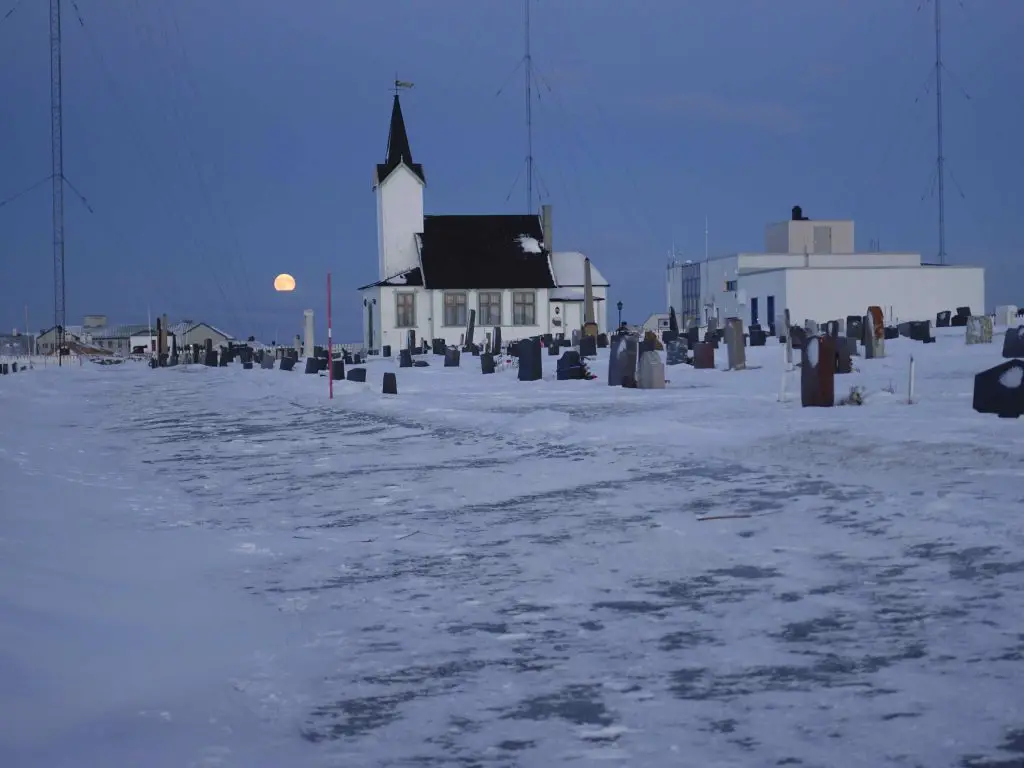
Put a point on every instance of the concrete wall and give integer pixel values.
(399, 220)
(801, 237)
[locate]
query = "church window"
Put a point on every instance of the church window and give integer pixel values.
(454, 309)
(490, 308)
(405, 310)
(524, 308)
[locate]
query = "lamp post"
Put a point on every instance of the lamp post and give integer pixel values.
(619, 305)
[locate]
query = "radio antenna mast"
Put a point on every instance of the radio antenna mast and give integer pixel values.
(528, 75)
(57, 177)
(940, 159)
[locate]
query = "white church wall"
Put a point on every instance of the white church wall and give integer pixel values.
(399, 220)
(453, 334)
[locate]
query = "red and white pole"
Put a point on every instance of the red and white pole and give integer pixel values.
(330, 344)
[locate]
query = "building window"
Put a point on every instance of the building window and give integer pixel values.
(524, 308)
(455, 309)
(490, 308)
(730, 285)
(405, 310)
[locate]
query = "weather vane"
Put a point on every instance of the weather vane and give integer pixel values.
(401, 85)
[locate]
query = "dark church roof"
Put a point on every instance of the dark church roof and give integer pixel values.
(471, 252)
(398, 147)
(411, 279)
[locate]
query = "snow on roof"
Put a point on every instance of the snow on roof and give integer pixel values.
(530, 244)
(569, 294)
(568, 267)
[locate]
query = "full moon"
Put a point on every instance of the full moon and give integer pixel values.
(284, 282)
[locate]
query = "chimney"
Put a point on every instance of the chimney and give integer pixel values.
(798, 213)
(545, 222)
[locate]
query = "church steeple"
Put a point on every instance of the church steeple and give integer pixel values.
(399, 151)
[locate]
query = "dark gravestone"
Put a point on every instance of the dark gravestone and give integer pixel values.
(602, 341)
(287, 363)
(471, 328)
(312, 365)
(357, 359)
(570, 366)
(451, 357)
(958, 321)
(390, 384)
(942, 319)
(963, 311)
(588, 346)
(439, 346)
(1000, 390)
(486, 363)
(338, 370)
(692, 336)
(496, 341)
(565, 343)
(211, 358)
(548, 340)
(890, 332)
(703, 356)
(851, 346)
(903, 329)
(675, 353)
(405, 358)
(844, 361)
(410, 339)
(225, 358)
(921, 330)
(1013, 342)
(386, 351)
(247, 366)
(513, 349)
(322, 363)
(832, 329)
(356, 374)
(855, 327)
(530, 360)
(646, 345)
(319, 352)
(5, 368)
(667, 336)
(622, 359)
(799, 337)
(420, 364)
(554, 349)
(817, 373)
(712, 338)
(474, 350)
(347, 357)
(154, 363)
(758, 338)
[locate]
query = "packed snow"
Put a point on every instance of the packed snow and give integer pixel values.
(220, 567)
(530, 244)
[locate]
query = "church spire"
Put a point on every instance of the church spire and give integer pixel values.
(399, 152)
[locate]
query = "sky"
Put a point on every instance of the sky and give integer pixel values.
(211, 144)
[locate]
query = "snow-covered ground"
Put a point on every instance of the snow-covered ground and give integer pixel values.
(219, 567)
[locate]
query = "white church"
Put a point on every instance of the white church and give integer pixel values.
(432, 270)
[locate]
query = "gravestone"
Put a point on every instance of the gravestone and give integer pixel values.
(758, 338)
(287, 363)
(712, 338)
(420, 364)
(312, 365)
(978, 330)
(874, 335)
(356, 374)
(570, 366)
(712, 324)
(692, 336)
(703, 356)
(385, 350)
(852, 346)
(844, 361)
(211, 358)
(555, 349)
(622, 359)
(321, 363)
(942, 319)
(878, 321)
(891, 332)
(667, 336)
(496, 341)
(267, 363)
(410, 339)
(405, 358)
(964, 311)
(817, 373)
(675, 353)
(451, 357)
(438, 347)
(390, 386)
(734, 343)
(530, 361)
(602, 341)
(832, 329)
(548, 340)
(921, 330)
(811, 326)
(487, 363)
(903, 329)
(1013, 342)
(652, 371)
(338, 370)
(472, 327)
(1000, 390)
(798, 337)
(588, 346)
(247, 366)
(346, 356)
(357, 359)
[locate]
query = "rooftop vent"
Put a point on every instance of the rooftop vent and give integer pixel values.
(798, 214)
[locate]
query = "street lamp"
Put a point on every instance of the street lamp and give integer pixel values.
(619, 305)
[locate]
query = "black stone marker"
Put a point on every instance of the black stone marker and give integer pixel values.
(921, 330)
(588, 346)
(312, 365)
(287, 363)
(602, 341)
(530, 365)
(451, 357)
(211, 358)
(942, 319)
(338, 370)
(570, 366)
(405, 358)
(486, 363)
(385, 351)
(758, 338)
(356, 374)
(554, 349)
(1000, 390)
(247, 366)
(390, 384)
(855, 327)
(1013, 342)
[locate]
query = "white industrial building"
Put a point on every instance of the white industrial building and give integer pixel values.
(812, 268)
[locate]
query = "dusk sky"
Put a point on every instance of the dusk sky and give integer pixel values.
(220, 142)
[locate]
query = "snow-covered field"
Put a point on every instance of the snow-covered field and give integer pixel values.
(218, 567)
